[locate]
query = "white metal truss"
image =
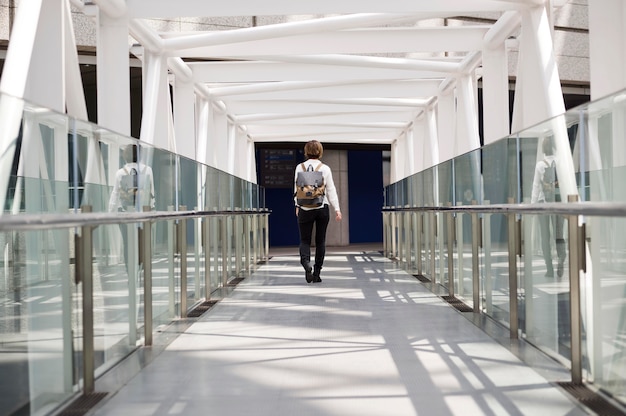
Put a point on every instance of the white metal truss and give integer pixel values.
(394, 72)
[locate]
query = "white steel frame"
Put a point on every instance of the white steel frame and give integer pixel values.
(365, 72)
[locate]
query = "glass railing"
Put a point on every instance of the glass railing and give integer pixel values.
(94, 262)
(498, 235)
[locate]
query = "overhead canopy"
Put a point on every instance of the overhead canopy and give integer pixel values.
(339, 71)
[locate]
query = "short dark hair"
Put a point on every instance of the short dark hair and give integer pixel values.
(548, 146)
(313, 150)
(130, 153)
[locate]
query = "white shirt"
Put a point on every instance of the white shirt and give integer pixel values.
(146, 189)
(537, 194)
(331, 192)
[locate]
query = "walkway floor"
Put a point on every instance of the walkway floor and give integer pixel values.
(369, 340)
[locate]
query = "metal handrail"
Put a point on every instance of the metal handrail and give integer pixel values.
(24, 222)
(601, 209)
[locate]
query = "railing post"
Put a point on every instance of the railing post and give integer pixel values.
(450, 247)
(418, 231)
(206, 242)
(247, 219)
(512, 233)
(147, 279)
(384, 214)
(267, 237)
(433, 245)
(84, 272)
(475, 262)
(181, 237)
(224, 239)
(238, 229)
(575, 242)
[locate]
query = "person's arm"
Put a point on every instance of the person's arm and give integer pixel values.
(537, 192)
(295, 200)
(114, 199)
(331, 192)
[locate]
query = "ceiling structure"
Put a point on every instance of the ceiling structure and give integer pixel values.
(340, 71)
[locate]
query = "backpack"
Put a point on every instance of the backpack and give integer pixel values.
(128, 187)
(310, 187)
(550, 182)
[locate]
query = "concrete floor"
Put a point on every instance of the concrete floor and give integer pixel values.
(369, 340)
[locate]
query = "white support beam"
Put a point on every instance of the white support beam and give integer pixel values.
(495, 82)
(467, 137)
(280, 30)
(75, 97)
(165, 8)
(203, 115)
(243, 72)
(446, 128)
(364, 41)
(46, 72)
(184, 118)
(113, 76)
(431, 138)
(607, 46)
(155, 117)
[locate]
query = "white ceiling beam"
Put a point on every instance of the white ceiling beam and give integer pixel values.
(298, 118)
(239, 72)
(419, 86)
(368, 62)
(280, 30)
(368, 40)
(169, 8)
(332, 137)
(239, 108)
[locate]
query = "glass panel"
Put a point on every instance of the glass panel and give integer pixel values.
(36, 322)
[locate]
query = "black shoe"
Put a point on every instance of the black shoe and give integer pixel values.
(308, 275)
(316, 275)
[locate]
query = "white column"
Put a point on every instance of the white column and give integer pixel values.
(113, 76)
(538, 83)
(46, 76)
(607, 46)
(220, 140)
(202, 110)
(231, 153)
(155, 117)
(184, 118)
(251, 173)
(495, 94)
(446, 126)
(410, 152)
(467, 137)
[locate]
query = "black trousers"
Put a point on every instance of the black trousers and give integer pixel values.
(307, 219)
(557, 222)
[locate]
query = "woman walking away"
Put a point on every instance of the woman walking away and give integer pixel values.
(314, 190)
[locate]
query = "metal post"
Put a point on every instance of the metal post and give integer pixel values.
(433, 246)
(181, 236)
(147, 279)
(237, 229)
(224, 240)
(475, 262)
(384, 214)
(512, 233)
(207, 257)
(267, 237)
(255, 237)
(85, 271)
(450, 247)
(574, 293)
(247, 219)
(418, 252)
